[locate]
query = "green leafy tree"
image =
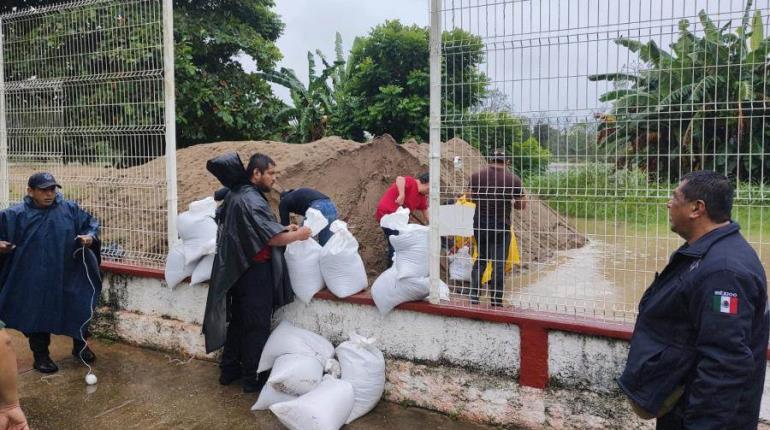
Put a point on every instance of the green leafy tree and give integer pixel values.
(216, 99)
(701, 106)
(312, 105)
(386, 84)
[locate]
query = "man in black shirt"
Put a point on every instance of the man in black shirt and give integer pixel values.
(495, 190)
(299, 200)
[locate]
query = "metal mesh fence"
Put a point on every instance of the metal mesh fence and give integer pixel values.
(83, 97)
(599, 107)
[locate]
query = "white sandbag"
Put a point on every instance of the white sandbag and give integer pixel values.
(327, 407)
(443, 291)
(303, 263)
(202, 272)
(332, 368)
(389, 292)
(412, 251)
(397, 220)
(288, 339)
(270, 396)
(295, 374)
(341, 265)
(461, 265)
(198, 229)
(315, 221)
(363, 365)
(176, 269)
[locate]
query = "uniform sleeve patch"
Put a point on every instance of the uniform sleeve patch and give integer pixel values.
(725, 302)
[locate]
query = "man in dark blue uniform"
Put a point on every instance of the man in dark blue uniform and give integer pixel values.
(44, 285)
(699, 348)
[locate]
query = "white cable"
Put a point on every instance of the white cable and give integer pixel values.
(91, 308)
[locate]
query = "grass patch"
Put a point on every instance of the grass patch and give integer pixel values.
(600, 192)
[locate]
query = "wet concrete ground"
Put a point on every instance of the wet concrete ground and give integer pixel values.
(143, 389)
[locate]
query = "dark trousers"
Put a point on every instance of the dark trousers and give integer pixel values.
(493, 248)
(251, 309)
(388, 232)
(39, 343)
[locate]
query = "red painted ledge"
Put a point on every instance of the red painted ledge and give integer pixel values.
(532, 324)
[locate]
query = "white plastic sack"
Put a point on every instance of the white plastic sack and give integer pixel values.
(295, 374)
(389, 292)
(325, 408)
(412, 251)
(461, 265)
(270, 396)
(315, 221)
(332, 368)
(443, 291)
(364, 367)
(202, 272)
(287, 339)
(341, 265)
(397, 220)
(303, 263)
(198, 229)
(176, 269)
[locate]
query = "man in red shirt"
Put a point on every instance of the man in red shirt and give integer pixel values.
(409, 192)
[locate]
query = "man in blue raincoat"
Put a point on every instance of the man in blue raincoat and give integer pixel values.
(49, 269)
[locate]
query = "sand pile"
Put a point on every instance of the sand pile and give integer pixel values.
(354, 175)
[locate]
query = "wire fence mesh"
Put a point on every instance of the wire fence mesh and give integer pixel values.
(599, 107)
(83, 98)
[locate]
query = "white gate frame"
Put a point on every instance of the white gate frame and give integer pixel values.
(434, 165)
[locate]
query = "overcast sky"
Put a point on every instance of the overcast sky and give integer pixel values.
(311, 25)
(538, 52)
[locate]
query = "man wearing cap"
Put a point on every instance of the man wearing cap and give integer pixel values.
(49, 269)
(496, 191)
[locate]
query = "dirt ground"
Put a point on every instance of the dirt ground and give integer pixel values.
(143, 389)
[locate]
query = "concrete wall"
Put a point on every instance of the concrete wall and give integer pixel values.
(462, 367)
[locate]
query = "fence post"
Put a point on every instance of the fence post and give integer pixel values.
(169, 94)
(4, 176)
(435, 148)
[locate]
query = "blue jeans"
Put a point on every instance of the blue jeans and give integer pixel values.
(329, 211)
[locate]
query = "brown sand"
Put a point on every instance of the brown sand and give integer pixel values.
(354, 175)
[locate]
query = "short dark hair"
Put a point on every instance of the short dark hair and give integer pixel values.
(259, 162)
(424, 178)
(714, 189)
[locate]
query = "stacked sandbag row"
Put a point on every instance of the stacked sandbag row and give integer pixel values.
(338, 265)
(309, 389)
(193, 257)
(407, 280)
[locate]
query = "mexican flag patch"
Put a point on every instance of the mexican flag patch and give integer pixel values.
(725, 302)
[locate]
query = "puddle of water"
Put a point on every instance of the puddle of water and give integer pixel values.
(605, 278)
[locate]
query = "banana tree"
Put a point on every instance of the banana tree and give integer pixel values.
(701, 106)
(312, 106)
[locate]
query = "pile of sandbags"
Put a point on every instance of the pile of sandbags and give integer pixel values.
(341, 265)
(309, 389)
(193, 257)
(303, 259)
(407, 280)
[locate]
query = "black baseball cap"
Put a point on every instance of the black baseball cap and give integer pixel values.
(42, 180)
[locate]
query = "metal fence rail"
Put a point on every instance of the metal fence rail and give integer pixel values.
(82, 95)
(599, 106)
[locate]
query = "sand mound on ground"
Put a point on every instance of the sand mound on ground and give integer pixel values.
(354, 175)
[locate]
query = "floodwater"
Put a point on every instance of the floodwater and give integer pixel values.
(607, 277)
